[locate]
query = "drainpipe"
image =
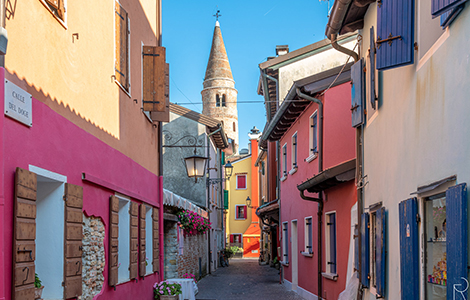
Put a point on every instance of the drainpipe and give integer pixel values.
(319, 200)
(334, 44)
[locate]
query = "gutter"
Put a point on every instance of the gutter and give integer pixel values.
(266, 91)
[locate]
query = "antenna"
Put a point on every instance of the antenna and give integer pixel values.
(217, 15)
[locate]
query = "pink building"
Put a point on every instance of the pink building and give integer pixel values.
(317, 192)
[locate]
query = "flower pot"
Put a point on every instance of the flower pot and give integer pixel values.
(38, 292)
(166, 297)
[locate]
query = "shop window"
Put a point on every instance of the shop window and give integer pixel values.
(57, 8)
(122, 38)
(240, 212)
(285, 243)
(241, 182)
(308, 236)
(331, 243)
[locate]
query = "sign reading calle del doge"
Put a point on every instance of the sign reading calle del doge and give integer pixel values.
(18, 104)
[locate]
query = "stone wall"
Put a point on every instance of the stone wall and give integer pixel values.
(93, 257)
(170, 236)
(195, 248)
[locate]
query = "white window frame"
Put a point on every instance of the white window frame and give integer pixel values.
(285, 243)
(246, 182)
(308, 232)
(313, 152)
(329, 274)
(236, 212)
(284, 162)
(294, 153)
(148, 240)
(124, 238)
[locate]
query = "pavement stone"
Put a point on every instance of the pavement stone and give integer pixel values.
(244, 279)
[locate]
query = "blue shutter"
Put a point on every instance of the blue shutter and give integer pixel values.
(333, 243)
(365, 238)
(356, 248)
(409, 249)
(457, 241)
(395, 33)
(357, 88)
(380, 251)
(310, 236)
(372, 94)
(448, 17)
(438, 7)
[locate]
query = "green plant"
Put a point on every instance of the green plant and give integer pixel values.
(37, 281)
(164, 288)
(236, 249)
(228, 252)
(275, 260)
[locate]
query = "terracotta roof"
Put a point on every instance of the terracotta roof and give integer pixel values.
(219, 138)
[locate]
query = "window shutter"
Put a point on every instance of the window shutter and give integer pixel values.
(156, 239)
(142, 244)
(61, 9)
(231, 238)
(439, 7)
(395, 29)
(310, 237)
(356, 248)
(122, 42)
(73, 241)
(372, 94)
(24, 234)
(113, 240)
(156, 83)
(53, 3)
(457, 239)
(409, 249)
(448, 17)
(332, 224)
(357, 91)
(134, 240)
(244, 211)
(365, 237)
(380, 251)
(225, 199)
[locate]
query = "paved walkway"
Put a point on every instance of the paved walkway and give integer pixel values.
(244, 279)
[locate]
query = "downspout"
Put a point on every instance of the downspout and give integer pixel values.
(319, 200)
(160, 154)
(334, 44)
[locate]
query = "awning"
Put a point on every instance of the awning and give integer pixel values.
(330, 177)
(429, 187)
(269, 212)
(171, 199)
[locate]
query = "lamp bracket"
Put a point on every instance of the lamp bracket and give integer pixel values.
(187, 141)
(212, 181)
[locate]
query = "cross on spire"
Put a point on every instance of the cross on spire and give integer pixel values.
(217, 15)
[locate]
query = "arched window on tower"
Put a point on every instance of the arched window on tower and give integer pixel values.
(217, 100)
(234, 128)
(223, 100)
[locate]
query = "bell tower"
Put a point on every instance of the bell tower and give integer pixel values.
(219, 96)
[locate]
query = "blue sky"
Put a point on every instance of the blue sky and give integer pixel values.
(251, 30)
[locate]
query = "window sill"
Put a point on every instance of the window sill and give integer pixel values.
(283, 178)
(285, 263)
(306, 254)
(240, 219)
(311, 157)
(330, 276)
(293, 170)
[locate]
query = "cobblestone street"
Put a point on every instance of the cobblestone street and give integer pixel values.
(243, 279)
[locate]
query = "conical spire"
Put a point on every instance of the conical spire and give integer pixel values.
(218, 65)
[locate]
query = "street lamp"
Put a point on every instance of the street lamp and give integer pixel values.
(195, 166)
(228, 170)
(248, 202)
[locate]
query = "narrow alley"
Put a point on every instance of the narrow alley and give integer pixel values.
(244, 279)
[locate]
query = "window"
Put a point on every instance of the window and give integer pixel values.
(285, 243)
(240, 212)
(234, 128)
(223, 100)
(217, 101)
(235, 239)
(294, 151)
(148, 240)
(308, 236)
(241, 182)
(313, 133)
(57, 8)
(123, 239)
(121, 60)
(284, 160)
(331, 243)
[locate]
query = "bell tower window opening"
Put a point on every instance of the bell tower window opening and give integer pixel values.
(217, 101)
(223, 100)
(234, 128)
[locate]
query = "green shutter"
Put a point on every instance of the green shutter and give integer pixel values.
(225, 199)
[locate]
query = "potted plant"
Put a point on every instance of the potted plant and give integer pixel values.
(166, 291)
(38, 287)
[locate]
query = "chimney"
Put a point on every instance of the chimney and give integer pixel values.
(282, 49)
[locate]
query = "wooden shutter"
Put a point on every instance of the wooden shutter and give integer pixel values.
(245, 211)
(134, 240)
(439, 7)
(372, 94)
(156, 239)
(356, 247)
(357, 92)
(449, 16)
(365, 250)
(24, 235)
(122, 46)
(156, 93)
(73, 241)
(225, 199)
(113, 240)
(231, 238)
(380, 251)
(142, 244)
(395, 34)
(409, 249)
(457, 240)
(53, 3)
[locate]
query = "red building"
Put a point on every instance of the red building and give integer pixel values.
(316, 171)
